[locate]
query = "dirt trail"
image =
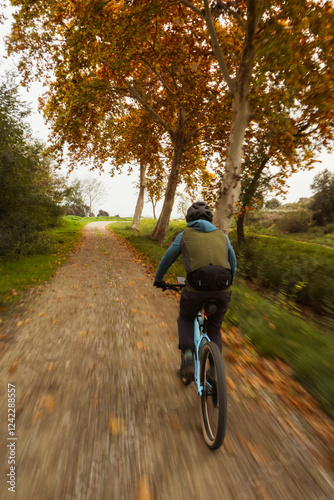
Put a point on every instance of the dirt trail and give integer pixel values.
(101, 414)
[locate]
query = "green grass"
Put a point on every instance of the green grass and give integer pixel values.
(273, 330)
(304, 271)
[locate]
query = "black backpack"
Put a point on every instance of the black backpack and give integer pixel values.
(210, 278)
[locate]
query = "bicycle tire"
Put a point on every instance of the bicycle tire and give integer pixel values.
(213, 402)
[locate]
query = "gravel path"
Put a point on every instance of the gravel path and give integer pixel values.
(101, 415)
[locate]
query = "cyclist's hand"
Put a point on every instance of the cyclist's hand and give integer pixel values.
(159, 284)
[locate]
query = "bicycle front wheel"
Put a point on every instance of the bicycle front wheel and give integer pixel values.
(213, 401)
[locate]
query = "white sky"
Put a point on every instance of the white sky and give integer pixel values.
(122, 194)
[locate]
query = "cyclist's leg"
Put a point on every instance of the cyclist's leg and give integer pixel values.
(190, 304)
(215, 321)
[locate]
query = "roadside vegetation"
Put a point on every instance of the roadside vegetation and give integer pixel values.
(34, 268)
(274, 326)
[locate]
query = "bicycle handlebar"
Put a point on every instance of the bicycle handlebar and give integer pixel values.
(172, 286)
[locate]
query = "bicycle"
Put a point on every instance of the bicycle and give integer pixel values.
(209, 376)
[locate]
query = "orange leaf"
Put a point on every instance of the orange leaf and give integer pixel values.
(257, 454)
(141, 346)
(143, 489)
(116, 425)
(13, 366)
(175, 422)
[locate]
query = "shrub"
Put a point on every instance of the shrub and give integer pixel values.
(302, 271)
(295, 221)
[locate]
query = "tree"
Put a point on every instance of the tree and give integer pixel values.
(93, 192)
(157, 54)
(272, 204)
(29, 189)
(322, 202)
(280, 60)
(134, 51)
(103, 213)
(72, 199)
(139, 143)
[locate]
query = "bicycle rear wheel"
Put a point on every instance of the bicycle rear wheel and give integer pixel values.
(213, 402)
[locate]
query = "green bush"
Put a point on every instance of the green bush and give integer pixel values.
(296, 221)
(304, 272)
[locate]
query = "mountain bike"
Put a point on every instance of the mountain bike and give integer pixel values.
(209, 375)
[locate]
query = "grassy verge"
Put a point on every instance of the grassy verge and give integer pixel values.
(304, 271)
(273, 330)
(16, 276)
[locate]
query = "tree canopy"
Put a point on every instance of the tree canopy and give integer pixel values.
(222, 75)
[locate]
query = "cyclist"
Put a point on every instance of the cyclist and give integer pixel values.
(210, 263)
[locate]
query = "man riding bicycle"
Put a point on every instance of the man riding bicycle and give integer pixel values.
(210, 263)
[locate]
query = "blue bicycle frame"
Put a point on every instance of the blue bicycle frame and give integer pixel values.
(200, 339)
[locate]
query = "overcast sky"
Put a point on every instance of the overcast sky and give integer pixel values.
(122, 194)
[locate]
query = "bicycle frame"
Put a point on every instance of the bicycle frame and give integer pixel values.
(200, 338)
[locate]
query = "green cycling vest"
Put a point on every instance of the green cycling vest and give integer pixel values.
(202, 249)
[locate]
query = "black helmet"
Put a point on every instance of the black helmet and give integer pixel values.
(199, 210)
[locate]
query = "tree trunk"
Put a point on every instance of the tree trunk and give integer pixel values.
(240, 228)
(160, 231)
(231, 186)
(247, 197)
(141, 197)
(154, 213)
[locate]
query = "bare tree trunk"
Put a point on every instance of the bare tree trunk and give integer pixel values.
(154, 213)
(141, 197)
(160, 231)
(246, 198)
(231, 185)
(240, 228)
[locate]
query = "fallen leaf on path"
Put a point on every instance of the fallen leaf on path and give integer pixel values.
(56, 321)
(146, 332)
(261, 490)
(175, 422)
(14, 366)
(141, 346)
(49, 366)
(40, 315)
(36, 416)
(229, 446)
(143, 489)
(133, 310)
(257, 454)
(243, 440)
(230, 383)
(19, 323)
(116, 425)
(163, 324)
(48, 402)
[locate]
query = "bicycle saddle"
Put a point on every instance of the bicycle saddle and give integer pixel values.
(210, 307)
